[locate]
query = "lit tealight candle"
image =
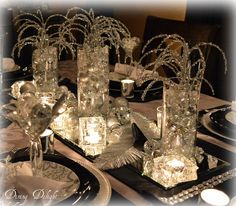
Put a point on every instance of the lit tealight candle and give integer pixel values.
(93, 136)
(176, 163)
(214, 197)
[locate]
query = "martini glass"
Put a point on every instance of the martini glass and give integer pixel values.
(33, 117)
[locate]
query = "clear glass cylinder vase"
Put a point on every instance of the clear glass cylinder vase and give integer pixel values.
(179, 118)
(45, 70)
(93, 81)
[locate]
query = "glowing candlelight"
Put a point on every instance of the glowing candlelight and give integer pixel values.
(176, 163)
(92, 135)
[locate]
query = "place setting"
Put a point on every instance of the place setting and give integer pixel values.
(221, 122)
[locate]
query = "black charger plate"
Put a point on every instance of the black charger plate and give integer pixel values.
(218, 119)
(85, 177)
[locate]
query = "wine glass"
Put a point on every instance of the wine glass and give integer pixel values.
(33, 117)
(129, 44)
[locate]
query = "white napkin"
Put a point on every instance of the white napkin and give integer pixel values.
(131, 71)
(20, 186)
(8, 64)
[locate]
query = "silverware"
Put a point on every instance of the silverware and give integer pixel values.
(216, 108)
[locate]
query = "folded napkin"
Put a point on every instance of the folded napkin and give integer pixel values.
(20, 186)
(131, 71)
(8, 64)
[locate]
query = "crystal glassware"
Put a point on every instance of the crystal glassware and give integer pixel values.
(33, 117)
(127, 88)
(93, 81)
(45, 70)
(92, 135)
(179, 118)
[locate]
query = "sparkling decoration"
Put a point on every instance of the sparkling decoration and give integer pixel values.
(187, 70)
(196, 189)
(120, 110)
(181, 95)
(47, 32)
(47, 38)
(179, 119)
(170, 170)
(99, 31)
(93, 81)
(92, 135)
(129, 44)
(33, 115)
(20, 87)
(45, 70)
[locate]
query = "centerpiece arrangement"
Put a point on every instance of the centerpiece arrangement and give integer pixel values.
(48, 38)
(103, 127)
(177, 156)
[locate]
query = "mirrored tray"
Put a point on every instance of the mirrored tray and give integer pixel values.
(207, 177)
(83, 185)
(132, 175)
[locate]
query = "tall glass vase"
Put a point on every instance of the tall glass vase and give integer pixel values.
(45, 70)
(93, 81)
(180, 103)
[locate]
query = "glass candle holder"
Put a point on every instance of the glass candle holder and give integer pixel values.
(47, 141)
(45, 70)
(213, 197)
(92, 132)
(179, 118)
(127, 88)
(93, 81)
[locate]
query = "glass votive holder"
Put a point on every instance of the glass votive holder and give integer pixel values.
(213, 197)
(127, 88)
(47, 141)
(159, 119)
(46, 98)
(92, 135)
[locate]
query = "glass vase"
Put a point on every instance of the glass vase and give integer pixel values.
(45, 70)
(93, 81)
(179, 118)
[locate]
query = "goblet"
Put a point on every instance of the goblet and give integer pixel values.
(33, 117)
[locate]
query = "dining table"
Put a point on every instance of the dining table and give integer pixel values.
(125, 186)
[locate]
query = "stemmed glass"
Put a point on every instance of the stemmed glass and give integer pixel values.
(33, 117)
(129, 44)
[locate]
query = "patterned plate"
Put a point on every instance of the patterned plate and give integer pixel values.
(83, 185)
